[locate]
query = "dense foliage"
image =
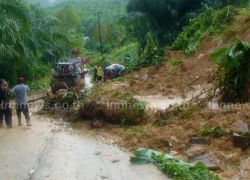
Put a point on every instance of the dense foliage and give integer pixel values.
(132, 33)
(166, 18)
(29, 39)
(234, 70)
(86, 14)
(208, 22)
(151, 25)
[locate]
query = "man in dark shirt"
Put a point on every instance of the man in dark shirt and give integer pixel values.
(5, 110)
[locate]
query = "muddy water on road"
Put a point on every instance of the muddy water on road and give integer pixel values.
(50, 150)
(160, 102)
(88, 82)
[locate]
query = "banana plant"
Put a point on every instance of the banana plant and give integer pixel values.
(234, 68)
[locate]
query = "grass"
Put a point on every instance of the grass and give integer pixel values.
(134, 131)
(213, 132)
(120, 79)
(126, 55)
(209, 22)
(175, 62)
(189, 111)
(40, 85)
(128, 107)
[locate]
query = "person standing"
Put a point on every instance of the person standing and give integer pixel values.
(100, 74)
(95, 73)
(5, 110)
(20, 91)
(74, 53)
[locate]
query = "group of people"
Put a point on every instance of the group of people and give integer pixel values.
(109, 72)
(20, 92)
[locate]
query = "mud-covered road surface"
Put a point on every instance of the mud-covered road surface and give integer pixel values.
(51, 150)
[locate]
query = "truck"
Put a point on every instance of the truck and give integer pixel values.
(68, 75)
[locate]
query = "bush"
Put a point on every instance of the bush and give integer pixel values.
(126, 55)
(207, 23)
(214, 132)
(151, 53)
(116, 106)
(60, 101)
(40, 71)
(234, 70)
(175, 62)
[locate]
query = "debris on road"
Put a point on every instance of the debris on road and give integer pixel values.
(174, 168)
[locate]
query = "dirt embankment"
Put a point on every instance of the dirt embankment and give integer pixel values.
(197, 70)
(167, 81)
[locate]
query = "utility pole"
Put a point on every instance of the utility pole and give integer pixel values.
(100, 34)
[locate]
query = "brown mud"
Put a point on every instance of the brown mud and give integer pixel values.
(164, 85)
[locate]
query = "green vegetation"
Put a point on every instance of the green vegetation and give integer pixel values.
(40, 85)
(134, 131)
(134, 33)
(177, 171)
(85, 14)
(165, 19)
(30, 40)
(214, 132)
(207, 23)
(61, 101)
(175, 62)
(134, 105)
(126, 55)
(234, 70)
(114, 105)
(174, 168)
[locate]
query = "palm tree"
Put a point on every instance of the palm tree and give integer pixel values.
(13, 23)
(28, 37)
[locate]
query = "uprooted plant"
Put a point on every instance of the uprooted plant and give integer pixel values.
(214, 132)
(61, 100)
(174, 168)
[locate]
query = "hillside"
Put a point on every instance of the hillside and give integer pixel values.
(46, 3)
(175, 130)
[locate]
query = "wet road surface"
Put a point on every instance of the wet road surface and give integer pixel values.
(49, 150)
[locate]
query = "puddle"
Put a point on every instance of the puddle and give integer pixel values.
(160, 102)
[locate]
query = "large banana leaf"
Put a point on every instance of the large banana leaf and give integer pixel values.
(234, 64)
(174, 168)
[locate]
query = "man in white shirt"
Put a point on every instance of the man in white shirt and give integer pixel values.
(20, 91)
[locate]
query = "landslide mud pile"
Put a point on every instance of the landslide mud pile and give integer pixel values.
(110, 104)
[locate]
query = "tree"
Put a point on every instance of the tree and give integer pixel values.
(28, 40)
(166, 18)
(69, 17)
